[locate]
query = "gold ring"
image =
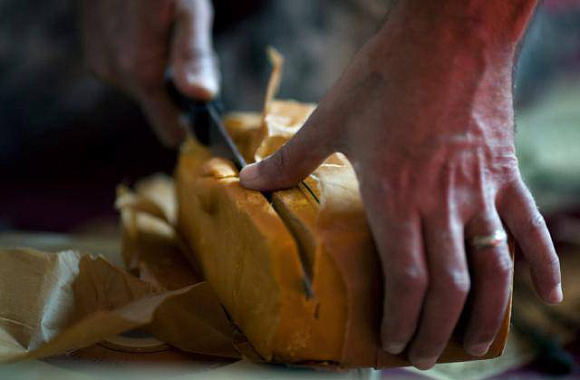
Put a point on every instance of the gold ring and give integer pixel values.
(497, 238)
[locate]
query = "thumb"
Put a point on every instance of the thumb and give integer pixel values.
(193, 59)
(293, 162)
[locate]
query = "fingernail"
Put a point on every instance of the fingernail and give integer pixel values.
(556, 295)
(394, 348)
(249, 175)
(478, 349)
(202, 85)
(424, 364)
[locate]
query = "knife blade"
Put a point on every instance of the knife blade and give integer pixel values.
(205, 122)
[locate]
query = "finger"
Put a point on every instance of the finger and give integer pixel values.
(163, 117)
(405, 277)
(293, 162)
(520, 213)
(492, 271)
(192, 55)
(448, 288)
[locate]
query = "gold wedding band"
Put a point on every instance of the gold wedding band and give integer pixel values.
(497, 238)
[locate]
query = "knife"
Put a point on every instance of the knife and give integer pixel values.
(204, 118)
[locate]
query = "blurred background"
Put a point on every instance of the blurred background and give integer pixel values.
(67, 140)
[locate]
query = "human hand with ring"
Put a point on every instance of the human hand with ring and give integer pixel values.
(425, 115)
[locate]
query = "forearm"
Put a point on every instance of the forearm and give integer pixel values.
(494, 25)
(459, 51)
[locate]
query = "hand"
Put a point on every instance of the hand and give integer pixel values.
(425, 116)
(130, 44)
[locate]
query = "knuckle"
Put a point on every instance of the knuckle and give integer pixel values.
(534, 223)
(410, 279)
(279, 161)
(454, 282)
(502, 266)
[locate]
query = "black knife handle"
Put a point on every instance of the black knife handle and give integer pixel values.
(205, 123)
(197, 110)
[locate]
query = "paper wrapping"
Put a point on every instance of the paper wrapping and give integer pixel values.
(68, 300)
(340, 217)
(280, 119)
(56, 302)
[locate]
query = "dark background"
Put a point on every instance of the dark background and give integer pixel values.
(67, 140)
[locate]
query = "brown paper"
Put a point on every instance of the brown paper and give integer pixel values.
(151, 248)
(281, 119)
(52, 303)
(155, 252)
(342, 215)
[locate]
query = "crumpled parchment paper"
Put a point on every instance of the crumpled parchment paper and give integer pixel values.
(56, 302)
